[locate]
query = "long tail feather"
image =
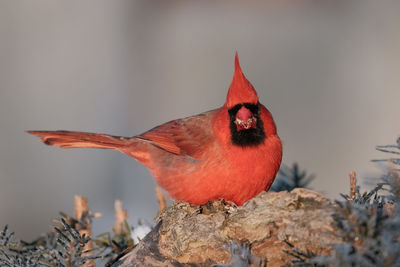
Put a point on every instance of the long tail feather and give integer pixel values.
(67, 139)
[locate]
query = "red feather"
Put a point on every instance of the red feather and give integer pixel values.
(194, 159)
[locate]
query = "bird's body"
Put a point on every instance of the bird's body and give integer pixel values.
(232, 152)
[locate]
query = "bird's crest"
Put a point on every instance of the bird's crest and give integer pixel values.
(240, 90)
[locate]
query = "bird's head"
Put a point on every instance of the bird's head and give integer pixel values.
(246, 126)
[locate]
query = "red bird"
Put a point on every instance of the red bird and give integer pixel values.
(232, 152)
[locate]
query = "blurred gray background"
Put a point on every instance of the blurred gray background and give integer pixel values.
(329, 71)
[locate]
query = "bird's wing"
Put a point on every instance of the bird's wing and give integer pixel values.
(189, 136)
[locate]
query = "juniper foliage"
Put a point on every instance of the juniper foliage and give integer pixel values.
(112, 246)
(290, 178)
(241, 256)
(62, 248)
(367, 223)
(300, 257)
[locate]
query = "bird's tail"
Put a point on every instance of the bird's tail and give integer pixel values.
(67, 139)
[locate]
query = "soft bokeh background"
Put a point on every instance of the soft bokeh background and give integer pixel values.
(329, 71)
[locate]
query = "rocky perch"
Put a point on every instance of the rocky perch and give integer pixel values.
(189, 235)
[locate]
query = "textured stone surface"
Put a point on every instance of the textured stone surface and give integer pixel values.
(191, 234)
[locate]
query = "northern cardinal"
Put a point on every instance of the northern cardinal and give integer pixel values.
(232, 152)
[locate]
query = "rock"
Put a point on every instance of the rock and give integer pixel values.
(189, 235)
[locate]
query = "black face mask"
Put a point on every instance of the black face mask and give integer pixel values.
(248, 137)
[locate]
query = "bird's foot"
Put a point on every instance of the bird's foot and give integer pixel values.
(216, 206)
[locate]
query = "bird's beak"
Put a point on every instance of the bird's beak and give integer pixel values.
(245, 119)
(245, 125)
